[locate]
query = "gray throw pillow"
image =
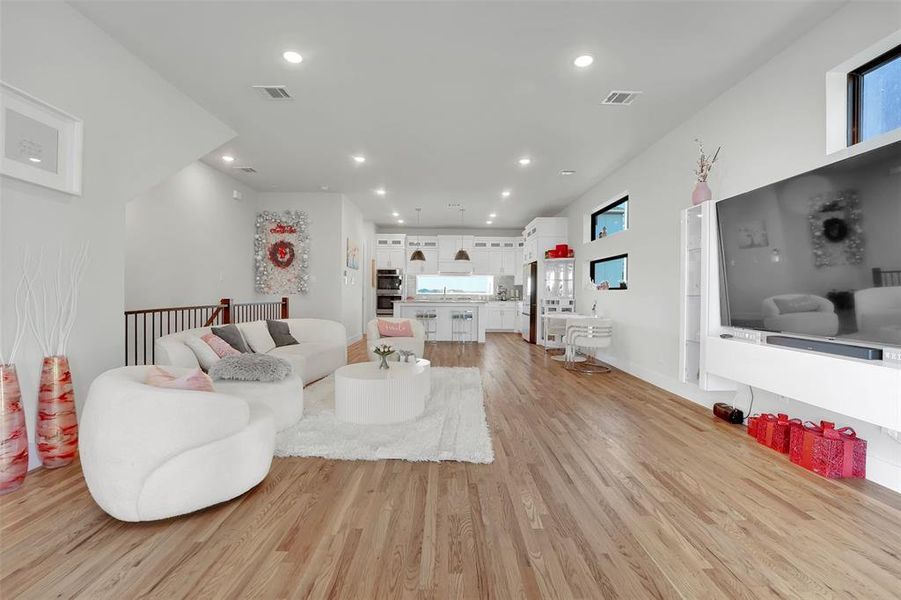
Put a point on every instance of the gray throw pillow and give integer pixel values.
(251, 367)
(798, 304)
(280, 333)
(232, 336)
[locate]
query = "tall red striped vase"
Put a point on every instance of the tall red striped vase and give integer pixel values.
(13, 435)
(57, 428)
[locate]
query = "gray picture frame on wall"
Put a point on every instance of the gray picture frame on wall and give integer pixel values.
(41, 144)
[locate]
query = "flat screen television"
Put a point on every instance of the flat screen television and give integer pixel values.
(818, 254)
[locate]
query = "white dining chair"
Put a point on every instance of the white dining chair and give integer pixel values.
(587, 333)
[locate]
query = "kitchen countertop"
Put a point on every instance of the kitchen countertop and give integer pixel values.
(434, 302)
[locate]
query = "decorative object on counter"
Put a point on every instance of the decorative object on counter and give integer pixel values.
(702, 191)
(418, 254)
(13, 432)
(405, 356)
(57, 424)
(462, 254)
(383, 351)
(282, 252)
(835, 226)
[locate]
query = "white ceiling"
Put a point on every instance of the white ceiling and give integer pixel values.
(443, 97)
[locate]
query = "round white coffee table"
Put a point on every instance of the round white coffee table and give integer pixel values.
(368, 395)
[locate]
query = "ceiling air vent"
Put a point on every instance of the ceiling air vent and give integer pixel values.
(273, 92)
(248, 170)
(454, 205)
(620, 98)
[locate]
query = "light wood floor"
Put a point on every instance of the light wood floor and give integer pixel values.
(603, 487)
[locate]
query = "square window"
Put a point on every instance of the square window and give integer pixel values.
(874, 97)
(611, 219)
(610, 273)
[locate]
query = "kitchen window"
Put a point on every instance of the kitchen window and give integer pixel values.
(610, 219)
(454, 285)
(874, 97)
(610, 273)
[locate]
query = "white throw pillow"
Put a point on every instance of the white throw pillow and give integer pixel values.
(257, 336)
(206, 356)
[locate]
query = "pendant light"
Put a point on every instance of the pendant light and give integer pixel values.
(417, 254)
(462, 254)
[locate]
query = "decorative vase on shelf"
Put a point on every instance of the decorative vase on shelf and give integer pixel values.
(57, 427)
(701, 193)
(13, 435)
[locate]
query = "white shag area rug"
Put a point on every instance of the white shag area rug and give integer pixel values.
(453, 426)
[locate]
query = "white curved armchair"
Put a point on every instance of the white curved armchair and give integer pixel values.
(877, 308)
(151, 453)
(819, 320)
(415, 344)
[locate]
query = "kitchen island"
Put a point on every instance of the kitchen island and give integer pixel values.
(410, 309)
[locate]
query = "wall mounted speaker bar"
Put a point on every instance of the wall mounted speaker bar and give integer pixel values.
(847, 350)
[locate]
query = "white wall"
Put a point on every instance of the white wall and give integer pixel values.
(771, 126)
(353, 281)
(138, 129)
(189, 241)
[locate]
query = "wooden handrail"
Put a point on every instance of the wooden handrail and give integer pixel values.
(140, 340)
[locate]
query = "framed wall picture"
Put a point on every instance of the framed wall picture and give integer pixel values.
(40, 143)
(353, 255)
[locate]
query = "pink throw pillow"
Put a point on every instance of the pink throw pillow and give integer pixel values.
(395, 328)
(195, 380)
(219, 346)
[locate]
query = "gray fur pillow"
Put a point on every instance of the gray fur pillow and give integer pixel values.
(251, 367)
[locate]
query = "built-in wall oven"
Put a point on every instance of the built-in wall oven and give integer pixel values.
(388, 290)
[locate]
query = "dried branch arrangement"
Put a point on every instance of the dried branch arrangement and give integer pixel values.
(52, 309)
(20, 301)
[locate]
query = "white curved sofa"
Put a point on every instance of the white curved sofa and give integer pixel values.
(821, 321)
(151, 453)
(322, 348)
(415, 344)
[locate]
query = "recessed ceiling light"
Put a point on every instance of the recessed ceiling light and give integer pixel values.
(506, 193)
(567, 172)
(525, 161)
(34, 159)
(400, 221)
(227, 158)
(324, 188)
(492, 215)
(381, 192)
(395, 214)
(292, 57)
(583, 61)
(359, 159)
(488, 222)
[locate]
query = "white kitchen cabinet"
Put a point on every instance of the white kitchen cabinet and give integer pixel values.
(390, 251)
(481, 261)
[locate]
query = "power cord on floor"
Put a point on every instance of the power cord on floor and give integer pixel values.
(750, 404)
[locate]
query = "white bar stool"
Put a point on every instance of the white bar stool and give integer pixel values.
(587, 333)
(429, 320)
(461, 325)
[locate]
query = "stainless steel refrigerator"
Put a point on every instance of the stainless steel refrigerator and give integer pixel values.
(529, 301)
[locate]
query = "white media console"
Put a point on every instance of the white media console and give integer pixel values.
(861, 389)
